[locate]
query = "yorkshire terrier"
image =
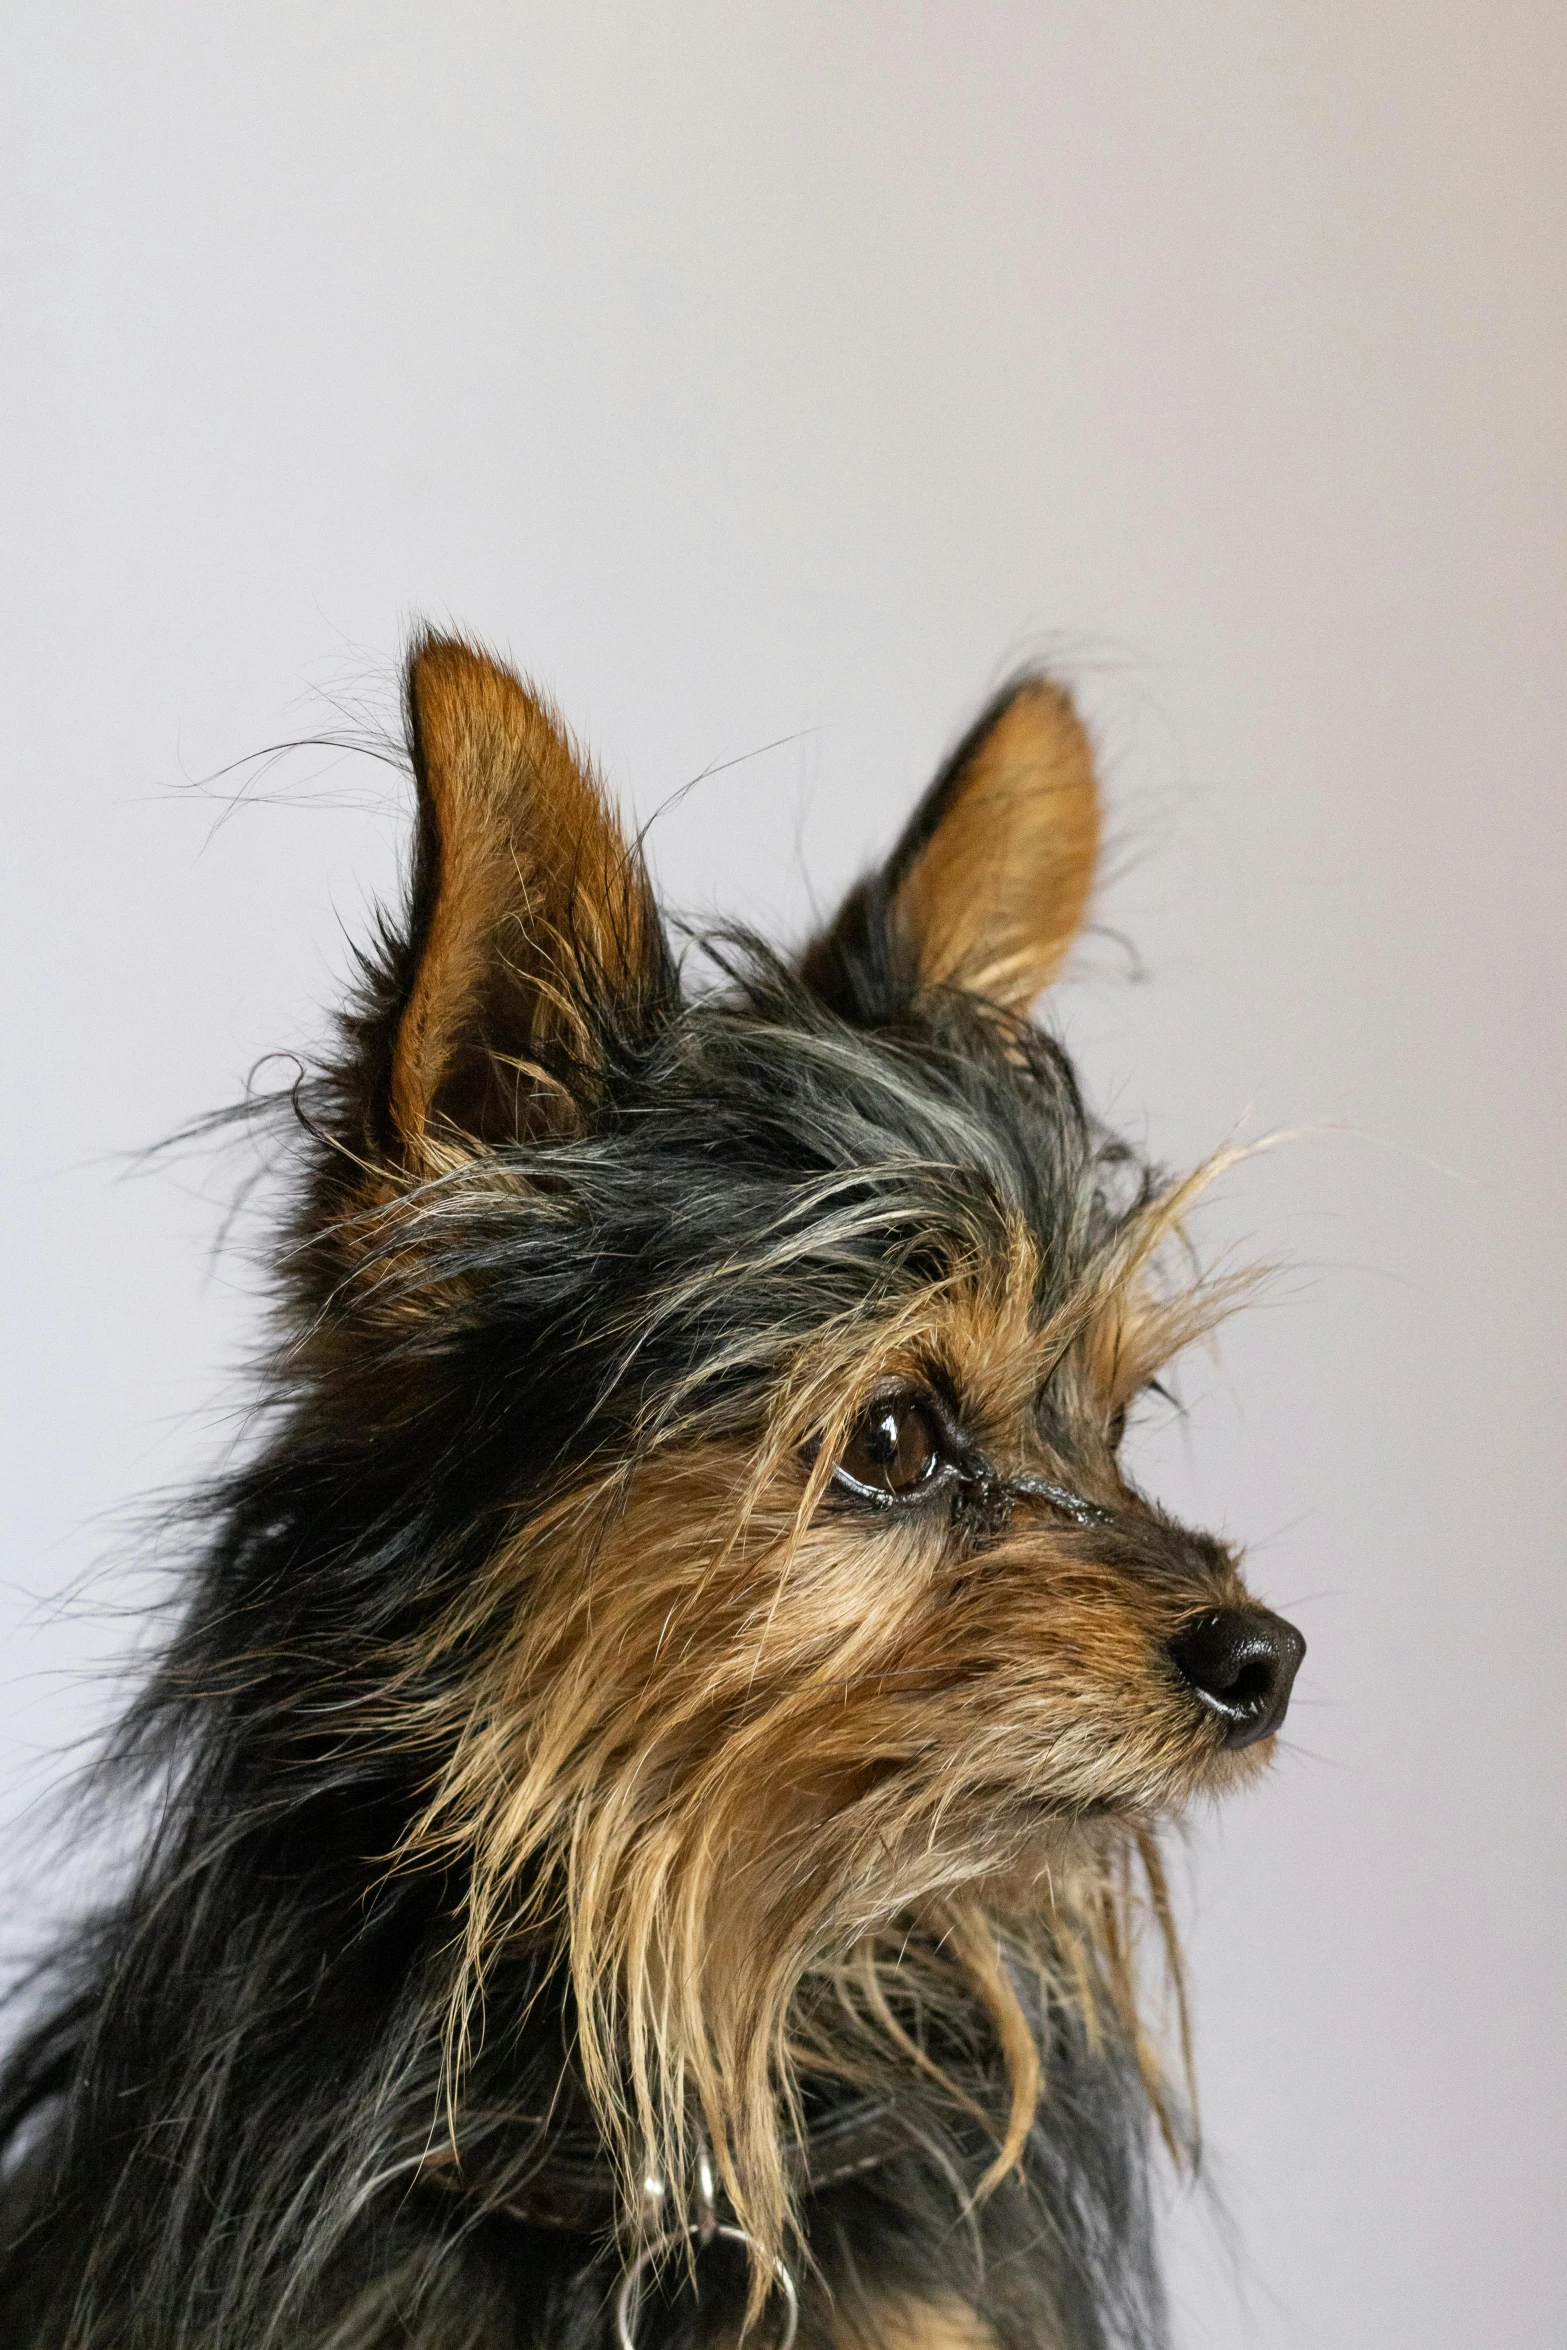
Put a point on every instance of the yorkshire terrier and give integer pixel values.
(655, 1786)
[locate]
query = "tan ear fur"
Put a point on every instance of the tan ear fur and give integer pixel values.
(530, 907)
(994, 894)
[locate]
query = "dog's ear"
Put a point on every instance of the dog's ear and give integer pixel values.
(531, 939)
(987, 888)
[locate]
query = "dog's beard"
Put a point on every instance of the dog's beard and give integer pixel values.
(733, 1788)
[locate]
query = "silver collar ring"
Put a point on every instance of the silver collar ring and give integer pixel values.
(704, 2228)
(627, 2297)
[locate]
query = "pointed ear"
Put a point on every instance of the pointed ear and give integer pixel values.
(531, 936)
(987, 888)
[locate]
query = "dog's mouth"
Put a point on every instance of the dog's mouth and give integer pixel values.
(1227, 1726)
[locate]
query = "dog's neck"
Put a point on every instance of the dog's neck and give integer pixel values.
(527, 2141)
(575, 2187)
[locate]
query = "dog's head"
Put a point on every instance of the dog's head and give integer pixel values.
(757, 1360)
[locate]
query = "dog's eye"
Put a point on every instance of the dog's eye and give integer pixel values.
(893, 1451)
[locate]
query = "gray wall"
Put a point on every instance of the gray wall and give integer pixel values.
(774, 376)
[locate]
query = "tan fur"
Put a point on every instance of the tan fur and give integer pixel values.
(534, 879)
(996, 895)
(732, 1735)
(900, 2325)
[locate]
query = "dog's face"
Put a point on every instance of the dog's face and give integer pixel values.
(761, 1360)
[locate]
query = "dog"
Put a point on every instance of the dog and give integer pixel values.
(654, 1791)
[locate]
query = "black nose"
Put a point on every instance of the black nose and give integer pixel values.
(1242, 1663)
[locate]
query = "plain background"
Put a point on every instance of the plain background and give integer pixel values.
(779, 376)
